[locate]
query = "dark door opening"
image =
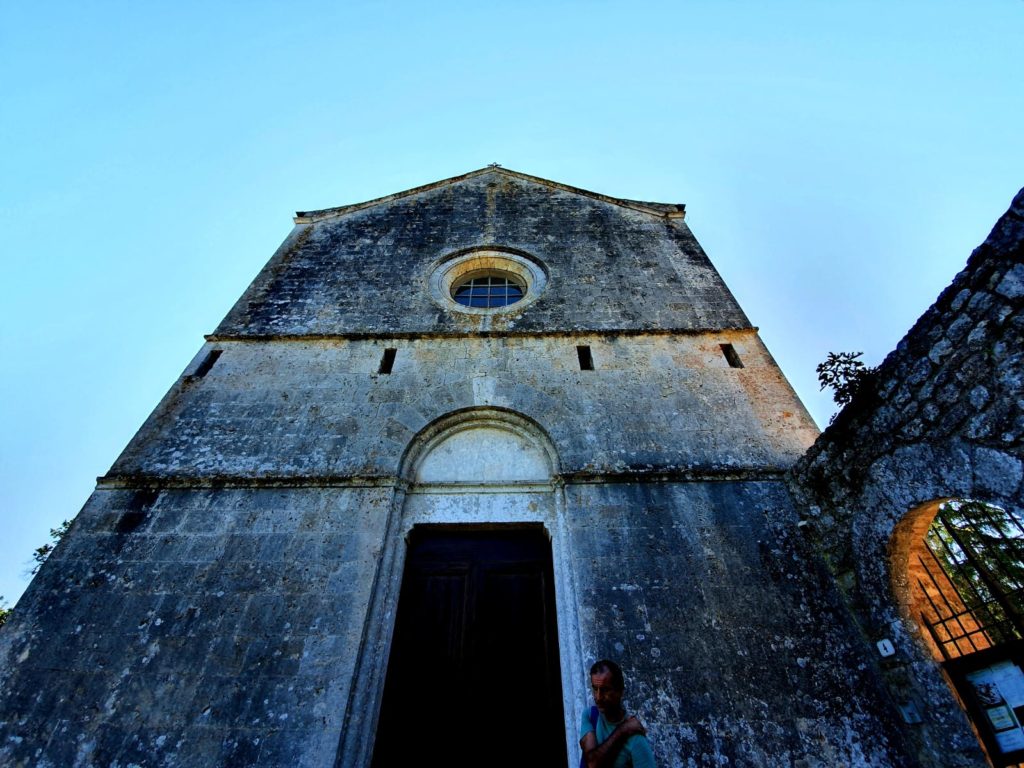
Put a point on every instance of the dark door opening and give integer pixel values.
(474, 678)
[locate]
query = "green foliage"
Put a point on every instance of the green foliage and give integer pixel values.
(39, 557)
(43, 552)
(844, 374)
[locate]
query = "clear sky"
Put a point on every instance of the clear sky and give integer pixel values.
(839, 162)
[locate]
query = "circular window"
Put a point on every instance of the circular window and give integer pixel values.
(487, 281)
(487, 291)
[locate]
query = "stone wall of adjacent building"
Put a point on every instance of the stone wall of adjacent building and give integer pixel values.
(943, 418)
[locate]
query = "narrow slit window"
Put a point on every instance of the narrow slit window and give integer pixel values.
(387, 362)
(586, 358)
(207, 364)
(731, 356)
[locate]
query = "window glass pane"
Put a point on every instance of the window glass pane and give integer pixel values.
(488, 291)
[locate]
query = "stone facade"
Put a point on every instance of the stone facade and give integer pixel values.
(943, 418)
(228, 593)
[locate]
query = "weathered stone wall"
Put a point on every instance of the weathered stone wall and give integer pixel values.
(943, 418)
(228, 593)
(193, 627)
(736, 646)
(319, 408)
(366, 270)
(225, 628)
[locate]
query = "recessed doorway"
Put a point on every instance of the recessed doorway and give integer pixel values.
(473, 676)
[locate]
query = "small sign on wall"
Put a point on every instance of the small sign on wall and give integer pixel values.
(1000, 689)
(991, 686)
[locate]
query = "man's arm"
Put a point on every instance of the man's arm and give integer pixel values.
(603, 755)
(641, 752)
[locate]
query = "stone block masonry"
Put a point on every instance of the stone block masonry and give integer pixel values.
(223, 627)
(228, 595)
(291, 409)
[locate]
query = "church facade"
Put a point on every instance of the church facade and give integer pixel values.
(450, 447)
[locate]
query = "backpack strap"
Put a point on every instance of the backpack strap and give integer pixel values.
(593, 724)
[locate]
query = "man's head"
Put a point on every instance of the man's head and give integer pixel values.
(607, 684)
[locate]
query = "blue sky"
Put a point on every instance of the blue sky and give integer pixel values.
(839, 161)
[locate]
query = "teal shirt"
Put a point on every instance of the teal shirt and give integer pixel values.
(636, 752)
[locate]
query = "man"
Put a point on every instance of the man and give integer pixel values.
(613, 740)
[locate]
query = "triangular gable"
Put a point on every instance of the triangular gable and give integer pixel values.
(661, 210)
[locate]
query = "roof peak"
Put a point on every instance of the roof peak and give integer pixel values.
(661, 210)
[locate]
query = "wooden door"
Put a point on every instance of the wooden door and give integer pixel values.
(474, 678)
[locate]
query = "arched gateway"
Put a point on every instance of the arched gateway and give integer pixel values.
(485, 631)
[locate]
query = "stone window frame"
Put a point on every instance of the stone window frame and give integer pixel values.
(455, 268)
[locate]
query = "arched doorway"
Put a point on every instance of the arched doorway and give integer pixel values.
(958, 572)
(484, 626)
(473, 675)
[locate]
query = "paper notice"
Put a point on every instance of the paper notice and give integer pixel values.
(1001, 718)
(1010, 741)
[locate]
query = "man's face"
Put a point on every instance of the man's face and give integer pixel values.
(607, 698)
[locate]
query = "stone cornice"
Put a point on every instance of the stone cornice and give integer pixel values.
(661, 210)
(572, 477)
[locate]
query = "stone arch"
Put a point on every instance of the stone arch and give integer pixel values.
(898, 484)
(905, 547)
(480, 446)
(899, 490)
(958, 591)
(924, 591)
(871, 519)
(442, 483)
